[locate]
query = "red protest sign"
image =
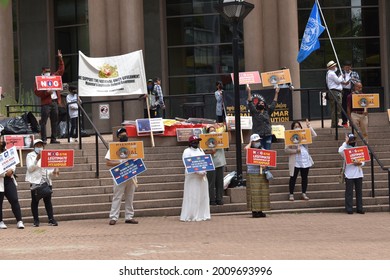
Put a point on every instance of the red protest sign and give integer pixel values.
(48, 82)
(261, 157)
(20, 141)
(356, 154)
(252, 77)
(57, 158)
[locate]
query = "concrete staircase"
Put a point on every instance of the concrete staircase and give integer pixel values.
(78, 194)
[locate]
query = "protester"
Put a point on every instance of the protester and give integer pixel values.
(219, 108)
(73, 111)
(8, 189)
(257, 186)
(49, 102)
(335, 86)
(351, 78)
(261, 113)
(195, 205)
(36, 175)
(159, 103)
(353, 177)
(126, 188)
(359, 116)
(299, 160)
(215, 177)
(151, 100)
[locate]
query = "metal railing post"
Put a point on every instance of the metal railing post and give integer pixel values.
(372, 176)
(322, 110)
(308, 104)
(97, 155)
(336, 116)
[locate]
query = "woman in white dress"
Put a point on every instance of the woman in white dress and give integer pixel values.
(195, 205)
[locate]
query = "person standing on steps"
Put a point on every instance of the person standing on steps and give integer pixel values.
(219, 107)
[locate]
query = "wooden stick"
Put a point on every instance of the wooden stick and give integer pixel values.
(148, 109)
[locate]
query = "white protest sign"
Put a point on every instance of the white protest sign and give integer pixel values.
(8, 159)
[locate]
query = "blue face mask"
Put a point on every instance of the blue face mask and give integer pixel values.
(38, 150)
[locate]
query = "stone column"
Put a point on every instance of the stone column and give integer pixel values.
(132, 25)
(271, 42)
(7, 81)
(97, 27)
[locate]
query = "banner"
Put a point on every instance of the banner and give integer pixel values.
(297, 136)
(127, 170)
(48, 82)
(112, 76)
(214, 141)
(199, 163)
(183, 134)
(19, 141)
(356, 154)
(248, 78)
(8, 159)
(127, 150)
(277, 77)
(365, 100)
(57, 158)
(261, 157)
(145, 126)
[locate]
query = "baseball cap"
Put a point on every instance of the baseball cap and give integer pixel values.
(36, 141)
(255, 137)
(351, 137)
(194, 138)
(120, 130)
(331, 64)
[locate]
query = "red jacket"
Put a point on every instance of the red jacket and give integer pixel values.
(45, 95)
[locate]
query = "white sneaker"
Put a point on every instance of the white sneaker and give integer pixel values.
(20, 225)
(71, 140)
(291, 197)
(2, 225)
(305, 197)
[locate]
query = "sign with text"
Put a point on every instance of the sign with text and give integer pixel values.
(261, 157)
(127, 170)
(252, 77)
(278, 131)
(145, 126)
(57, 158)
(366, 100)
(298, 136)
(388, 113)
(246, 123)
(48, 82)
(214, 141)
(199, 163)
(8, 159)
(127, 150)
(356, 154)
(19, 141)
(183, 134)
(276, 77)
(104, 111)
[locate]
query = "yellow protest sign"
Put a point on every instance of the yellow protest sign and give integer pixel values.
(278, 131)
(365, 100)
(214, 141)
(299, 136)
(127, 150)
(277, 77)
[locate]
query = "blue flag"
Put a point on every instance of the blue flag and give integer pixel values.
(312, 32)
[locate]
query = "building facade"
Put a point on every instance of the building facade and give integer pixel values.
(189, 45)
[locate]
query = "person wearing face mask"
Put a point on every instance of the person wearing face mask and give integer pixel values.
(219, 108)
(215, 177)
(36, 175)
(335, 85)
(195, 206)
(257, 185)
(8, 189)
(261, 113)
(299, 161)
(152, 100)
(50, 100)
(353, 174)
(351, 78)
(126, 188)
(359, 116)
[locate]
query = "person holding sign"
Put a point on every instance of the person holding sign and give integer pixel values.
(127, 188)
(351, 78)
(257, 186)
(261, 113)
(8, 189)
(196, 200)
(359, 116)
(49, 102)
(334, 83)
(353, 174)
(36, 175)
(299, 160)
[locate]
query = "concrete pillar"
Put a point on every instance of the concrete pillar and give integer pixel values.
(132, 25)
(271, 42)
(7, 81)
(384, 29)
(97, 28)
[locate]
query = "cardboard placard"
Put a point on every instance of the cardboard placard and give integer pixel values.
(356, 154)
(298, 136)
(145, 126)
(8, 159)
(183, 134)
(366, 100)
(246, 122)
(57, 158)
(199, 163)
(127, 170)
(249, 78)
(261, 157)
(214, 141)
(277, 77)
(48, 82)
(19, 141)
(278, 131)
(127, 150)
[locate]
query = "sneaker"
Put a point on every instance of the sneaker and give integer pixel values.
(71, 140)
(36, 224)
(305, 197)
(112, 222)
(20, 225)
(53, 223)
(345, 125)
(291, 197)
(131, 221)
(2, 225)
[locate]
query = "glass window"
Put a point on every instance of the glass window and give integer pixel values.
(69, 12)
(189, 7)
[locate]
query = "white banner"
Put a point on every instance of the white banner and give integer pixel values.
(112, 76)
(8, 159)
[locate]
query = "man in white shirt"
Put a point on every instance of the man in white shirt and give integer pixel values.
(335, 86)
(351, 78)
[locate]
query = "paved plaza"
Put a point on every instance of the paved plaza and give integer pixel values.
(318, 236)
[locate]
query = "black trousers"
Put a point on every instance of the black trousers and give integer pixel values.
(215, 179)
(50, 110)
(11, 193)
(346, 92)
(293, 179)
(48, 207)
(73, 127)
(349, 184)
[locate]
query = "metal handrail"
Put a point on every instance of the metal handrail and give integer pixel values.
(9, 112)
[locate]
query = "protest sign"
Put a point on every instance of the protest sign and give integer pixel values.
(127, 150)
(356, 154)
(57, 158)
(127, 170)
(276, 77)
(252, 77)
(199, 163)
(48, 82)
(182, 134)
(246, 123)
(8, 159)
(145, 126)
(297, 136)
(214, 141)
(261, 157)
(366, 100)
(19, 141)
(278, 131)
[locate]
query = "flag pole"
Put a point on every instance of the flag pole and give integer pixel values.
(327, 30)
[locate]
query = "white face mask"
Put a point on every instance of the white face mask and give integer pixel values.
(47, 74)
(256, 145)
(297, 128)
(38, 150)
(336, 69)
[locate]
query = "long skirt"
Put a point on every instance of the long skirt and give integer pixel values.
(257, 193)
